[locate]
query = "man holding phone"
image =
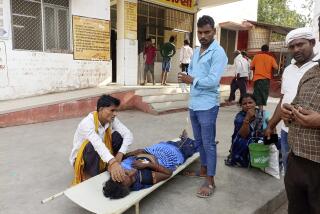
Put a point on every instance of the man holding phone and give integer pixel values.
(303, 119)
(204, 74)
(301, 63)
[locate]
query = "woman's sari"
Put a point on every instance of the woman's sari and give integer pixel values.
(239, 152)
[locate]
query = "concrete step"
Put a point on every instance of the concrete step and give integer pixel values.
(169, 106)
(170, 90)
(224, 93)
(160, 101)
(165, 98)
(157, 91)
(78, 103)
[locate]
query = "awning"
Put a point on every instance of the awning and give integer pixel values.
(212, 3)
(275, 28)
(183, 4)
(234, 26)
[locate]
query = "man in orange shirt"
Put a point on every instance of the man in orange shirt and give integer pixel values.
(262, 65)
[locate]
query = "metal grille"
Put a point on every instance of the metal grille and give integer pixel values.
(27, 29)
(49, 28)
(63, 41)
(113, 16)
(27, 25)
(56, 28)
(178, 20)
(154, 20)
(64, 3)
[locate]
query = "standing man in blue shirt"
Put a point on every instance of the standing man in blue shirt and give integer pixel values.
(205, 71)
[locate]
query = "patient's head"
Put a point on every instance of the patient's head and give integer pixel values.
(115, 190)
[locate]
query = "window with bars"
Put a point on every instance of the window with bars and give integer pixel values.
(41, 25)
(155, 19)
(152, 18)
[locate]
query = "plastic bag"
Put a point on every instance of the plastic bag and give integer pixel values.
(273, 168)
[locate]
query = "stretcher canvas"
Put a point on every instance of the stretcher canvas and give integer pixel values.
(88, 194)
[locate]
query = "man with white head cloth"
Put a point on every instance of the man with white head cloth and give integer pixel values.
(291, 76)
(299, 108)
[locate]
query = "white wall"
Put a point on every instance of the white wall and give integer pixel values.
(30, 73)
(99, 9)
(235, 12)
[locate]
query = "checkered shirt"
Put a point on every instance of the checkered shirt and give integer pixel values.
(305, 142)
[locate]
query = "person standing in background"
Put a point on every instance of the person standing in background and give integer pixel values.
(185, 59)
(262, 65)
(149, 54)
(167, 51)
(245, 55)
(241, 76)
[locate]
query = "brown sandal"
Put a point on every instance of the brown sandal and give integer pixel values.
(209, 193)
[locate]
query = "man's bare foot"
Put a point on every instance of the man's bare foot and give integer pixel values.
(206, 190)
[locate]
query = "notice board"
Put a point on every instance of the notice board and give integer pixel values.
(91, 38)
(130, 24)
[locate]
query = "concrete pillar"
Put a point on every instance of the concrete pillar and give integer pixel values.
(195, 30)
(127, 44)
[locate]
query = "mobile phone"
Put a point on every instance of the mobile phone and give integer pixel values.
(287, 106)
(273, 139)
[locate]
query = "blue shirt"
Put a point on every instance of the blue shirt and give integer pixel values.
(206, 69)
(167, 155)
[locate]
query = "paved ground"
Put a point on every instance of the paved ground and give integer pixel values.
(35, 165)
(283, 209)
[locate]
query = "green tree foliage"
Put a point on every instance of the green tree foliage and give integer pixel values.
(277, 12)
(308, 5)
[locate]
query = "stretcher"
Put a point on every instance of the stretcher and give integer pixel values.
(89, 195)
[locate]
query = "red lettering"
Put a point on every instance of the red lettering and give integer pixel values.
(186, 3)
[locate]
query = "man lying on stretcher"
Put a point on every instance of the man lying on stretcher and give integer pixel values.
(148, 166)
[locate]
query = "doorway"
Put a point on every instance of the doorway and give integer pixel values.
(114, 54)
(228, 42)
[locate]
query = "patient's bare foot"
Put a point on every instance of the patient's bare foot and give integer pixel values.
(202, 173)
(184, 135)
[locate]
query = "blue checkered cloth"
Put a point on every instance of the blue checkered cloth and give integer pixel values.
(168, 155)
(127, 163)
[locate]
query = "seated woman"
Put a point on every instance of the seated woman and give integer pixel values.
(249, 124)
(148, 166)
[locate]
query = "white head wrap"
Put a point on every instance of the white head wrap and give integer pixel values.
(300, 33)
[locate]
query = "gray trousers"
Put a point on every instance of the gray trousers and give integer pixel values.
(148, 67)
